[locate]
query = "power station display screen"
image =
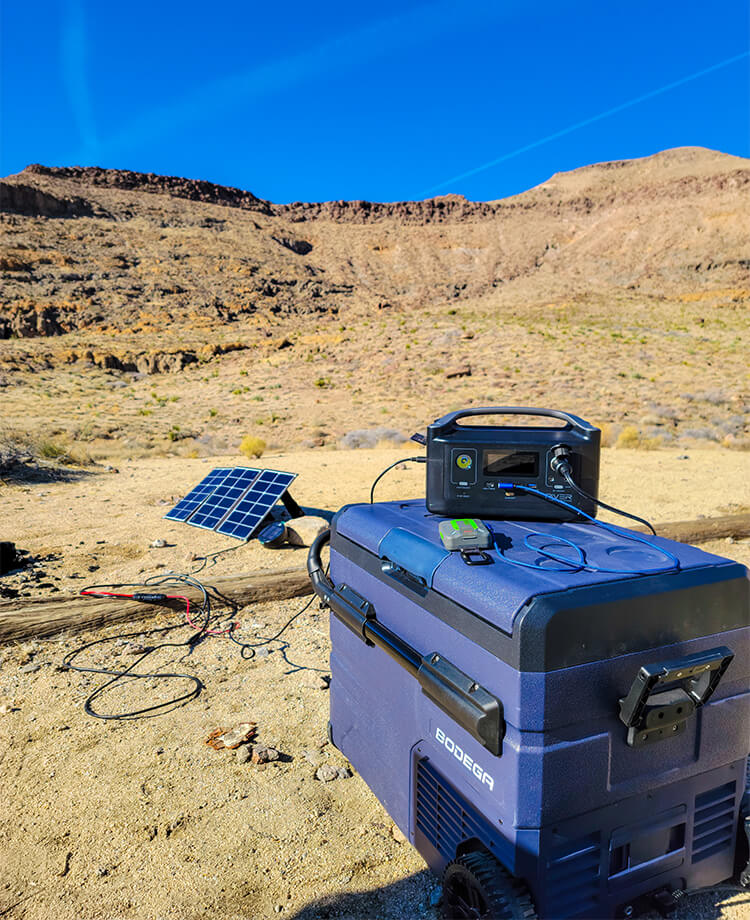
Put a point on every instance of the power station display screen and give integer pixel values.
(511, 463)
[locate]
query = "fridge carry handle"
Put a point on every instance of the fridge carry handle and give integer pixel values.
(665, 694)
(462, 698)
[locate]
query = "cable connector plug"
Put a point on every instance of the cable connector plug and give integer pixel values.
(560, 462)
(151, 598)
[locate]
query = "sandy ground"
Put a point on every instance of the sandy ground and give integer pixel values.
(143, 819)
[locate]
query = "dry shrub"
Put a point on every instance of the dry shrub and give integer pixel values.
(630, 437)
(251, 446)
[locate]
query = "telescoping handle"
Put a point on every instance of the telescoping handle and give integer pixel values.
(448, 422)
(457, 694)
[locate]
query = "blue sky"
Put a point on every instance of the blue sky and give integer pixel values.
(387, 101)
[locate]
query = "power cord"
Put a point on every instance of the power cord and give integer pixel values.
(561, 464)
(389, 468)
(580, 562)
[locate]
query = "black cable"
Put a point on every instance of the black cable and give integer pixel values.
(118, 674)
(389, 468)
(208, 592)
(212, 557)
(633, 517)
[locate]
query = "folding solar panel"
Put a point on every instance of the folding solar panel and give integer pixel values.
(244, 519)
(195, 497)
(232, 500)
(224, 497)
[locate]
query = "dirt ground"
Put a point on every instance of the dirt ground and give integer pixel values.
(141, 819)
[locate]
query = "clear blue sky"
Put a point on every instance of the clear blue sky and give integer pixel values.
(387, 101)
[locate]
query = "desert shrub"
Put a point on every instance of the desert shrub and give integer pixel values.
(630, 437)
(251, 446)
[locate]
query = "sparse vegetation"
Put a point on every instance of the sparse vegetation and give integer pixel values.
(251, 446)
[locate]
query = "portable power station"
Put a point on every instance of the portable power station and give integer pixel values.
(469, 466)
(558, 741)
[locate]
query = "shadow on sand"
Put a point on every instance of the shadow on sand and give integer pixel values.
(416, 898)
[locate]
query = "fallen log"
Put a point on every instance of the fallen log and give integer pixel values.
(704, 529)
(39, 617)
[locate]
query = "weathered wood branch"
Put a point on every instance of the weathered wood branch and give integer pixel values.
(46, 616)
(704, 529)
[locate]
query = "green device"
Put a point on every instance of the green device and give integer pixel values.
(464, 533)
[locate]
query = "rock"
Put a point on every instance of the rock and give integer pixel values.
(238, 735)
(327, 773)
(312, 757)
(157, 544)
(244, 753)
(29, 668)
(5, 708)
(302, 531)
(397, 835)
(344, 773)
(462, 371)
(265, 755)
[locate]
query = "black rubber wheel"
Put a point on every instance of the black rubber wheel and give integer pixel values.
(476, 887)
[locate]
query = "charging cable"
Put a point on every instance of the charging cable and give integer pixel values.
(389, 468)
(580, 563)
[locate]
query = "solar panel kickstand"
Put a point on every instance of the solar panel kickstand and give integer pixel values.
(291, 506)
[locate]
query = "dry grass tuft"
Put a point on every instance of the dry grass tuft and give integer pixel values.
(251, 446)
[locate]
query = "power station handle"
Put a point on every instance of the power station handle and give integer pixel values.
(448, 422)
(457, 694)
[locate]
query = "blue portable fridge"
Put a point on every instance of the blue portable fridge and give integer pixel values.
(585, 731)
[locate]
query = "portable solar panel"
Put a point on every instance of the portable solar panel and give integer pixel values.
(246, 516)
(233, 501)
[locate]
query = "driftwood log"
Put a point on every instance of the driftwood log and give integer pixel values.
(704, 529)
(46, 616)
(40, 617)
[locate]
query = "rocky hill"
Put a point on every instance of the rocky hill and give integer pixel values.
(149, 274)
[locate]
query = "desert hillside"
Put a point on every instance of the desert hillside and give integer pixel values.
(145, 313)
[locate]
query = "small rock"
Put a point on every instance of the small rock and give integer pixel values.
(29, 668)
(302, 531)
(262, 653)
(5, 708)
(265, 755)
(157, 544)
(237, 735)
(102, 871)
(327, 773)
(462, 371)
(244, 754)
(344, 773)
(312, 757)
(396, 834)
